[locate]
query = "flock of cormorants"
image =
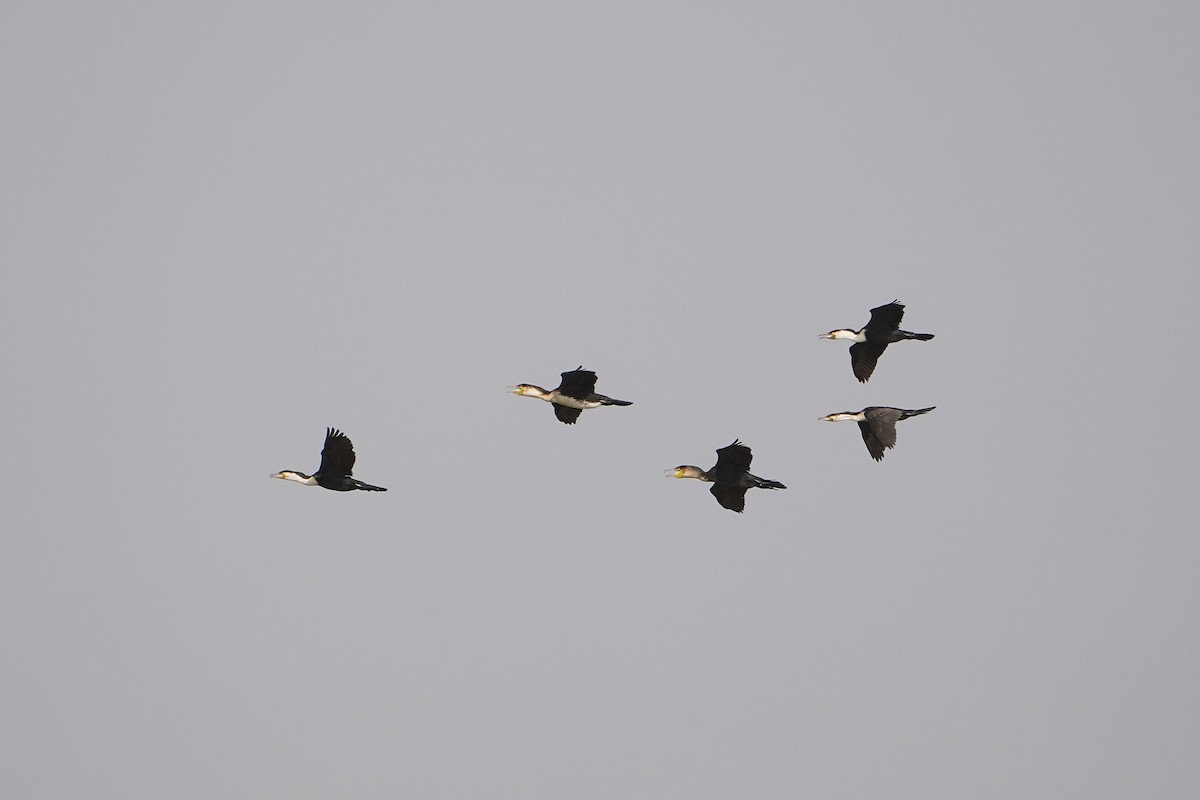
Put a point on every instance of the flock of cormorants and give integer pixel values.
(730, 476)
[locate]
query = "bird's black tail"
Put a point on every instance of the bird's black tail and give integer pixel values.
(913, 413)
(608, 401)
(366, 487)
(921, 337)
(763, 483)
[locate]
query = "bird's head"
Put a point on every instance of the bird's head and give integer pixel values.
(527, 389)
(840, 333)
(838, 417)
(293, 475)
(684, 471)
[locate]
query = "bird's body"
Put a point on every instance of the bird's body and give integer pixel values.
(872, 339)
(730, 476)
(337, 464)
(575, 393)
(877, 425)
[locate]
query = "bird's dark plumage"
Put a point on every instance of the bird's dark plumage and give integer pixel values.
(730, 476)
(885, 318)
(337, 456)
(337, 466)
(733, 460)
(863, 358)
(579, 383)
(878, 425)
(882, 329)
(574, 393)
(885, 321)
(567, 414)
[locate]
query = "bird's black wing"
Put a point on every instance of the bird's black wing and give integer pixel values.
(883, 423)
(578, 383)
(863, 357)
(733, 461)
(730, 496)
(566, 413)
(874, 446)
(879, 429)
(886, 318)
(337, 457)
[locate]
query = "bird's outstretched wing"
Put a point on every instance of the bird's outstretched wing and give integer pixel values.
(883, 421)
(874, 446)
(879, 430)
(733, 461)
(578, 383)
(863, 358)
(567, 414)
(337, 457)
(886, 318)
(729, 496)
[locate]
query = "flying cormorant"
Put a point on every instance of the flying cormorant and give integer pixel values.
(878, 425)
(337, 462)
(730, 476)
(874, 337)
(575, 393)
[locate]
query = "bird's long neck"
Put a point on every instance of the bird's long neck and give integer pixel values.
(529, 390)
(298, 477)
(688, 471)
(848, 335)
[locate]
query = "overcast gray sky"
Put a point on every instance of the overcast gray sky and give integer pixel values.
(226, 226)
